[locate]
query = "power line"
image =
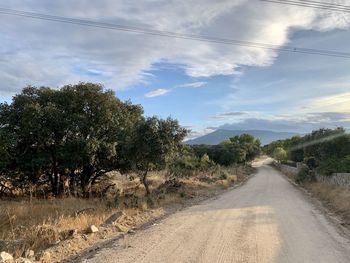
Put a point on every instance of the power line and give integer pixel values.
(312, 4)
(203, 38)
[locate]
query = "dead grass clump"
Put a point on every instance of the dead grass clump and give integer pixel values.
(335, 197)
(42, 223)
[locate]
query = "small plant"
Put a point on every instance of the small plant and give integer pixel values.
(302, 175)
(223, 175)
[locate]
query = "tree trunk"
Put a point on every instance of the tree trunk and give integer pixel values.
(52, 181)
(85, 176)
(55, 175)
(72, 184)
(145, 183)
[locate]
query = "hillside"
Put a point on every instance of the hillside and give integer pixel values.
(220, 135)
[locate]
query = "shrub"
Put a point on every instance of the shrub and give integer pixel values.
(224, 175)
(311, 162)
(305, 175)
(183, 166)
(280, 154)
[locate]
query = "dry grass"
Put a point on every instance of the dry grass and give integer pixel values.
(335, 197)
(43, 223)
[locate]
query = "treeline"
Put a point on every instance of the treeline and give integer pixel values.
(65, 141)
(327, 151)
(194, 159)
(69, 138)
(238, 149)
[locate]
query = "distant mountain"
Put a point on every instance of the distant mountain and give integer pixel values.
(221, 135)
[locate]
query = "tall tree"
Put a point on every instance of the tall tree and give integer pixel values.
(72, 132)
(153, 142)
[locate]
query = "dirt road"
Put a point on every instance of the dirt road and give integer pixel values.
(265, 220)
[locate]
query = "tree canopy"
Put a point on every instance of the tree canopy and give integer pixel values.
(151, 144)
(238, 149)
(64, 136)
(327, 150)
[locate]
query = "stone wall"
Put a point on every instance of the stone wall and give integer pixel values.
(338, 179)
(289, 169)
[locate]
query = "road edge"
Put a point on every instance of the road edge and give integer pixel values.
(330, 216)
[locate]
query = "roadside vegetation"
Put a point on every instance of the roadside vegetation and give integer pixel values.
(322, 159)
(72, 157)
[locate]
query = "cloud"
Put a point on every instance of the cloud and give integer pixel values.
(293, 123)
(338, 102)
(197, 84)
(198, 133)
(49, 53)
(225, 115)
(156, 93)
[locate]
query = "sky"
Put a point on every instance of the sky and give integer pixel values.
(204, 85)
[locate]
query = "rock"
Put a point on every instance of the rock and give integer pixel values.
(72, 232)
(121, 228)
(11, 245)
(92, 229)
(44, 257)
(113, 218)
(69, 233)
(169, 186)
(131, 231)
(29, 254)
(23, 260)
(5, 257)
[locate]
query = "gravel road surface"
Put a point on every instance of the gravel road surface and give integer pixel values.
(265, 220)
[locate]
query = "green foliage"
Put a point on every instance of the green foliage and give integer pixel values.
(345, 164)
(223, 175)
(325, 150)
(238, 149)
(303, 175)
(77, 134)
(70, 133)
(151, 144)
(280, 154)
(187, 164)
(311, 162)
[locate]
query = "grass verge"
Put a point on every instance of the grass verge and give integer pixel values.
(43, 224)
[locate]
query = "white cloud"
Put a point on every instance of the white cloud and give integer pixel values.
(232, 114)
(292, 123)
(194, 133)
(197, 84)
(49, 53)
(156, 93)
(337, 103)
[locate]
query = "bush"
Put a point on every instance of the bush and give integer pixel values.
(305, 175)
(183, 166)
(188, 165)
(224, 175)
(311, 162)
(280, 154)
